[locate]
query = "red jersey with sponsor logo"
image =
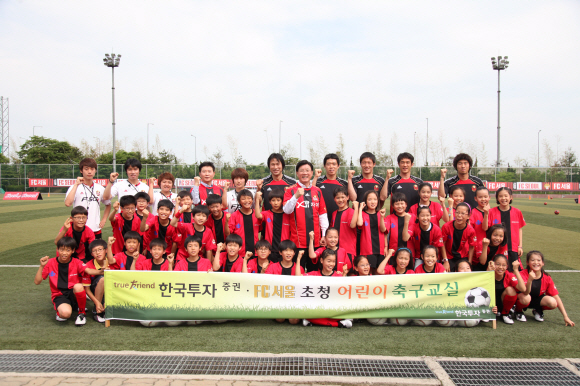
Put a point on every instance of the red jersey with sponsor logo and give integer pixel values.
(458, 241)
(63, 276)
(372, 240)
(510, 280)
(346, 235)
(422, 238)
(119, 230)
(201, 265)
(546, 284)
(436, 212)
(276, 228)
(395, 225)
(205, 191)
(278, 269)
(512, 219)
(145, 264)
(247, 226)
(184, 231)
(83, 238)
(362, 185)
(439, 268)
(341, 261)
(158, 231)
(305, 218)
(499, 250)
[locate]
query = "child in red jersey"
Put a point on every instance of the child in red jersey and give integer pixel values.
(400, 264)
(183, 202)
(123, 222)
(244, 223)
(398, 224)
(459, 239)
(437, 210)
(159, 261)
(343, 263)
(197, 228)
(153, 227)
(513, 221)
(65, 277)
(430, 263)
(541, 293)
(360, 267)
(287, 265)
(194, 261)
(326, 264)
(506, 285)
(479, 218)
(425, 232)
(93, 278)
(494, 244)
(75, 227)
(261, 263)
(230, 259)
(456, 196)
(127, 259)
(344, 220)
(218, 220)
(141, 203)
(371, 223)
(275, 223)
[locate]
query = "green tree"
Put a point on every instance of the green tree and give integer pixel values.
(568, 160)
(4, 159)
(122, 156)
(41, 150)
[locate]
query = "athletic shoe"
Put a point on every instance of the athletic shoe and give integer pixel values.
(486, 320)
(81, 320)
(347, 323)
(98, 318)
(507, 319)
(520, 317)
(538, 315)
(306, 323)
(59, 319)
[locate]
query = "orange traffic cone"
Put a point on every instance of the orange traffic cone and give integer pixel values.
(529, 197)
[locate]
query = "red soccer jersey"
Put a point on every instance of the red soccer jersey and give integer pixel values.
(201, 265)
(276, 228)
(93, 264)
(63, 276)
(476, 221)
(510, 280)
(118, 225)
(156, 230)
(469, 185)
(423, 238)
(327, 188)
(123, 261)
(346, 235)
(248, 228)
(218, 227)
(408, 186)
(185, 217)
(253, 266)
(372, 240)
(227, 266)
(512, 219)
(342, 258)
(205, 191)
(145, 264)
(83, 238)
(318, 273)
(305, 218)
(362, 185)
(390, 270)
(499, 250)
(458, 241)
(436, 212)
(277, 269)
(439, 268)
(184, 231)
(395, 225)
(269, 185)
(547, 286)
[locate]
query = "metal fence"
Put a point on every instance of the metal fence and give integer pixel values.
(15, 177)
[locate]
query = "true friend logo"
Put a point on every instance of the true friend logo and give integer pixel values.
(134, 285)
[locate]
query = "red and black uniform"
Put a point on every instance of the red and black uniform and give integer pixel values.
(508, 280)
(278, 269)
(540, 288)
(305, 216)
(421, 238)
(204, 191)
(513, 220)
(123, 261)
(408, 186)
(200, 265)
(145, 264)
(395, 226)
(270, 184)
(230, 266)
(185, 217)
(476, 221)
(390, 270)
(372, 240)
(186, 230)
(341, 220)
(247, 226)
(436, 211)
(342, 259)
(327, 187)
(122, 226)
(457, 242)
(362, 185)
(469, 185)
(158, 231)
(218, 227)
(83, 239)
(62, 277)
(254, 267)
(275, 228)
(439, 268)
(91, 281)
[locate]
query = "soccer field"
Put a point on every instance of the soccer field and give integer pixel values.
(28, 230)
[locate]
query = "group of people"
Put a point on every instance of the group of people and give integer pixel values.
(342, 226)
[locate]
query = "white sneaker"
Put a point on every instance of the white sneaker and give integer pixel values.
(346, 323)
(520, 317)
(98, 318)
(306, 323)
(59, 319)
(538, 315)
(507, 319)
(81, 320)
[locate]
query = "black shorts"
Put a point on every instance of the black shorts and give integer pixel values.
(375, 260)
(67, 297)
(535, 303)
(94, 281)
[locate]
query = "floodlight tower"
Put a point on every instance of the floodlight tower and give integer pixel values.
(113, 61)
(500, 64)
(4, 127)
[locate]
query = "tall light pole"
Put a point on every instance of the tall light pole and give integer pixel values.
(427, 145)
(195, 148)
(280, 138)
(113, 61)
(539, 148)
(500, 64)
(148, 138)
(33, 129)
(267, 141)
(300, 146)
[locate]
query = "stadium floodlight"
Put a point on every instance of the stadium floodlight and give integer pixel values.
(111, 61)
(500, 64)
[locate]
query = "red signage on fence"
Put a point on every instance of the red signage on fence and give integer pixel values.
(564, 186)
(39, 182)
(188, 183)
(528, 186)
(493, 186)
(31, 196)
(12, 195)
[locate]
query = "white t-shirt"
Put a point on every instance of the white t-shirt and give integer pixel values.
(233, 204)
(125, 188)
(158, 196)
(90, 197)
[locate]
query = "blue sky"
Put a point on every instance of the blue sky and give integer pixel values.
(360, 68)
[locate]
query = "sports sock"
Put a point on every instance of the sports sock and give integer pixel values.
(508, 303)
(520, 307)
(324, 322)
(81, 301)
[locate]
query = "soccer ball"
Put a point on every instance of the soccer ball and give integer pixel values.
(445, 323)
(468, 323)
(173, 323)
(477, 297)
(422, 322)
(377, 322)
(400, 322)
(194, 322)
(149, 324)
(557, 212)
